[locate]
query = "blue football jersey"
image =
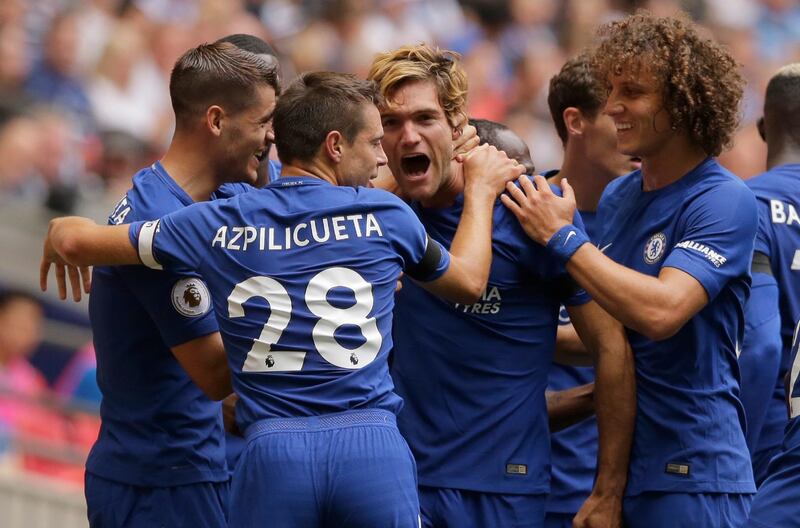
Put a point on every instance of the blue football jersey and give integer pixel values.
(158, 428)
(302, 275)
(778, 194)
(689, 419)
(473, 376)
(574, 449)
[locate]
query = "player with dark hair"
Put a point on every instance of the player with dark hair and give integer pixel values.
(302, 275)
(678, 239)
(505, 139)
(473, 375)
(268, 170)
(160, 456)
(591, 162)
(778, 243)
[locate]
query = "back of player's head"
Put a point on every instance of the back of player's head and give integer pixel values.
(574, 86)
(315, 104)
(249, 43)
(503, 138)
(217, 74)
(782, 106)
(701, 83)
(424, 63)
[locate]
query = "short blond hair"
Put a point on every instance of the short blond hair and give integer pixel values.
(424, 63)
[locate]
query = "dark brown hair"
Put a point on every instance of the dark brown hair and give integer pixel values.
(702, 86)
(315, 104)
(217, 74)
(574, 86)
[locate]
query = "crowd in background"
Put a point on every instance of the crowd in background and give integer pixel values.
(84, 84)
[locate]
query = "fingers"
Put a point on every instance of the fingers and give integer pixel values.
(61, 281)
(74, 282)
(86, 275)
(515, 192)
(542, 185)
(44, 270)
(511, 205)
(567, 191)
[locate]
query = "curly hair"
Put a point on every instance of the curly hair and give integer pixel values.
(702, 86)
(424, 63)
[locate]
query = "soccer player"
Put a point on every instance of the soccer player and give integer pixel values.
(268, 170)
(473, 375)
(591, 161)
(302, 276)
(778, 241)
(160, 455)
(678, 239)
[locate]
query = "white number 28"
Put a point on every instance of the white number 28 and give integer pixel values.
(263, 357)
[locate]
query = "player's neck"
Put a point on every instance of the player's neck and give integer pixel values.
(586, 179)
(310, 170)
(671, 163)
(782, 156)
(192, 172)
(451, 187)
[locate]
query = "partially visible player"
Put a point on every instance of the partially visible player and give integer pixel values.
(269, 170)
(591, 161)
(778, 241)
(302, 276)
(159, 459)
(678, 238)
(505, 139)
(473, 375)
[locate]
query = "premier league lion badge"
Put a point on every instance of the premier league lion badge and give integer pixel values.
(190, 297)
(654, 248)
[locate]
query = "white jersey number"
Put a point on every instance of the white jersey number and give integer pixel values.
(263, 357)
(794, 402)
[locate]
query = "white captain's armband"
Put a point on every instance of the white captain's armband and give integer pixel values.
(146, 236)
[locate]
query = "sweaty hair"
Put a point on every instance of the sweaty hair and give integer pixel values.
(424, 63)
(217, 74)
(782, 105)
(315, 104)
(701, 83)
(503, 138)
(249, 43)
(574, 86)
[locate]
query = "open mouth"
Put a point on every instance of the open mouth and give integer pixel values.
(261, 156)
(415, 165)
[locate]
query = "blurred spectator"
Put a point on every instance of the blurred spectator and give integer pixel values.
(14, 60)
(19, 147)
(55, 79)
(77, 383)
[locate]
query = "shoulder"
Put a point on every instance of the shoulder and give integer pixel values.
(719, 184)
(228, 190)
(149, 198)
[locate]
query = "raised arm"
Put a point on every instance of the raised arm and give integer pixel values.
(486, 171)
(656, 307)
(72, 244)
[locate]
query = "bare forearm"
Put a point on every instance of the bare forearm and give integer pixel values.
(615, 402)
(640, 302)
(570, 406)
(471, 249)
(81, 242)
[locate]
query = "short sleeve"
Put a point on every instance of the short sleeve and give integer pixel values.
(716, 244)
(762, 244)
(424, 259)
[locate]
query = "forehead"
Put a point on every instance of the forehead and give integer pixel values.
(412, 96)
(371, 120)
(263, 101)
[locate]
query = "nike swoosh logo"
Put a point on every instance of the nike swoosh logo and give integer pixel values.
(570, 234)
(604, 248)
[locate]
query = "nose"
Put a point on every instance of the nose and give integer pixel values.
(409, 134)
(381, 158)
(612, 106)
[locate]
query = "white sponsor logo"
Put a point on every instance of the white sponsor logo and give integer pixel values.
(569, 235)
(190, 297)
(654, 248)
(715, 258)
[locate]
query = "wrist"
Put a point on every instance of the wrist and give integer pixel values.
(566, 241)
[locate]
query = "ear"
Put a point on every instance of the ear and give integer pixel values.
(215, 117)
(573, 121)
(334, 145)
